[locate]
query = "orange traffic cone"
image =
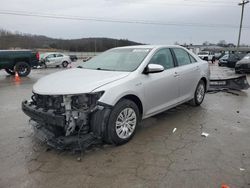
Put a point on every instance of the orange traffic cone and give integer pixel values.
(224, 186)
(17, 78)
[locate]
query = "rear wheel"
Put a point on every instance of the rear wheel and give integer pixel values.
(123, 122)
(65, 64)
(199, 93)
(10, 71)
(22, 68)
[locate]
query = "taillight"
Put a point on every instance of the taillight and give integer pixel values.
(37, 55)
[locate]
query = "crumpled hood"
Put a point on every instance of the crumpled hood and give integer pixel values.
(75, 81)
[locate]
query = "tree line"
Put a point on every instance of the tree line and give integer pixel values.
(10, 40)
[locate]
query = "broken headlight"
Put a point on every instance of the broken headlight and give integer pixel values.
(48, 102)
(86, 101)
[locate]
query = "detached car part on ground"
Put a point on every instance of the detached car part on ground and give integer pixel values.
(206, 56)
(233, 83)
(20, 61)
(105, 98)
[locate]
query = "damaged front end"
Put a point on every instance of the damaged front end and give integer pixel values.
(68, 121)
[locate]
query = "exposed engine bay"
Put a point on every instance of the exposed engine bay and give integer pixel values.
(65, 121)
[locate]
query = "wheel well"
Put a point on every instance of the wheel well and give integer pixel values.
(205, 81)
(136, 100)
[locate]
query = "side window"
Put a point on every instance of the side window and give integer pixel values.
(163, 57)
(193, 60)
(182, 56)
(51, 56)
(59, 55)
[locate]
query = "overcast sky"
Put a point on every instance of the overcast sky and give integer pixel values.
(179, 12)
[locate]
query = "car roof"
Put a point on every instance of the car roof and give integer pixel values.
(48, 53)
(151, 46)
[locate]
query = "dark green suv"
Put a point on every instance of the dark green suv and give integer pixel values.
(20, 61)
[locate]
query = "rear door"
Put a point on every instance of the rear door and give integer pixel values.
(161, 89)
(189, 73)
(59, 59)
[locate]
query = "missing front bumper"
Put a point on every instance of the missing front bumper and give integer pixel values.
(39, 115)
(49, 127)
(76, 142)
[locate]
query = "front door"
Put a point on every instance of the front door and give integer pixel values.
(161, 89)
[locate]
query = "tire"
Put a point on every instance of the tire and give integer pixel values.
(65, 64)
(10, 71)
(22, 68)
(199, 94)
(119, 133)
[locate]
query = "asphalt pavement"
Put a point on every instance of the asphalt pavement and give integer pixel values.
(167, 151)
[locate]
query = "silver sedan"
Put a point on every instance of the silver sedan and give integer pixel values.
(108, 95)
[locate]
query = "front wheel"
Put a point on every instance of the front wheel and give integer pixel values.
(22, 68)
(123, 122)
(199, 93)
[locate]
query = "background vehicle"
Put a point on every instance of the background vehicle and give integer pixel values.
(20, 61)
(55, 60)
(73, 57)
(223, 60)
(243, 65)
(230, 60)
(86, 59)
(206, 55)
(108, 95)
(233, 58)
(218, 55)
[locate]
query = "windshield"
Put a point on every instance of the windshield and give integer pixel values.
(124, 59)
(225, 56)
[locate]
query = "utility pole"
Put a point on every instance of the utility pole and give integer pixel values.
(241, 19)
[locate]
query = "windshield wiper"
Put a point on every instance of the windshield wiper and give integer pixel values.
(103, 69)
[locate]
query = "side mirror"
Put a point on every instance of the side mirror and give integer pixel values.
(153, 68)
